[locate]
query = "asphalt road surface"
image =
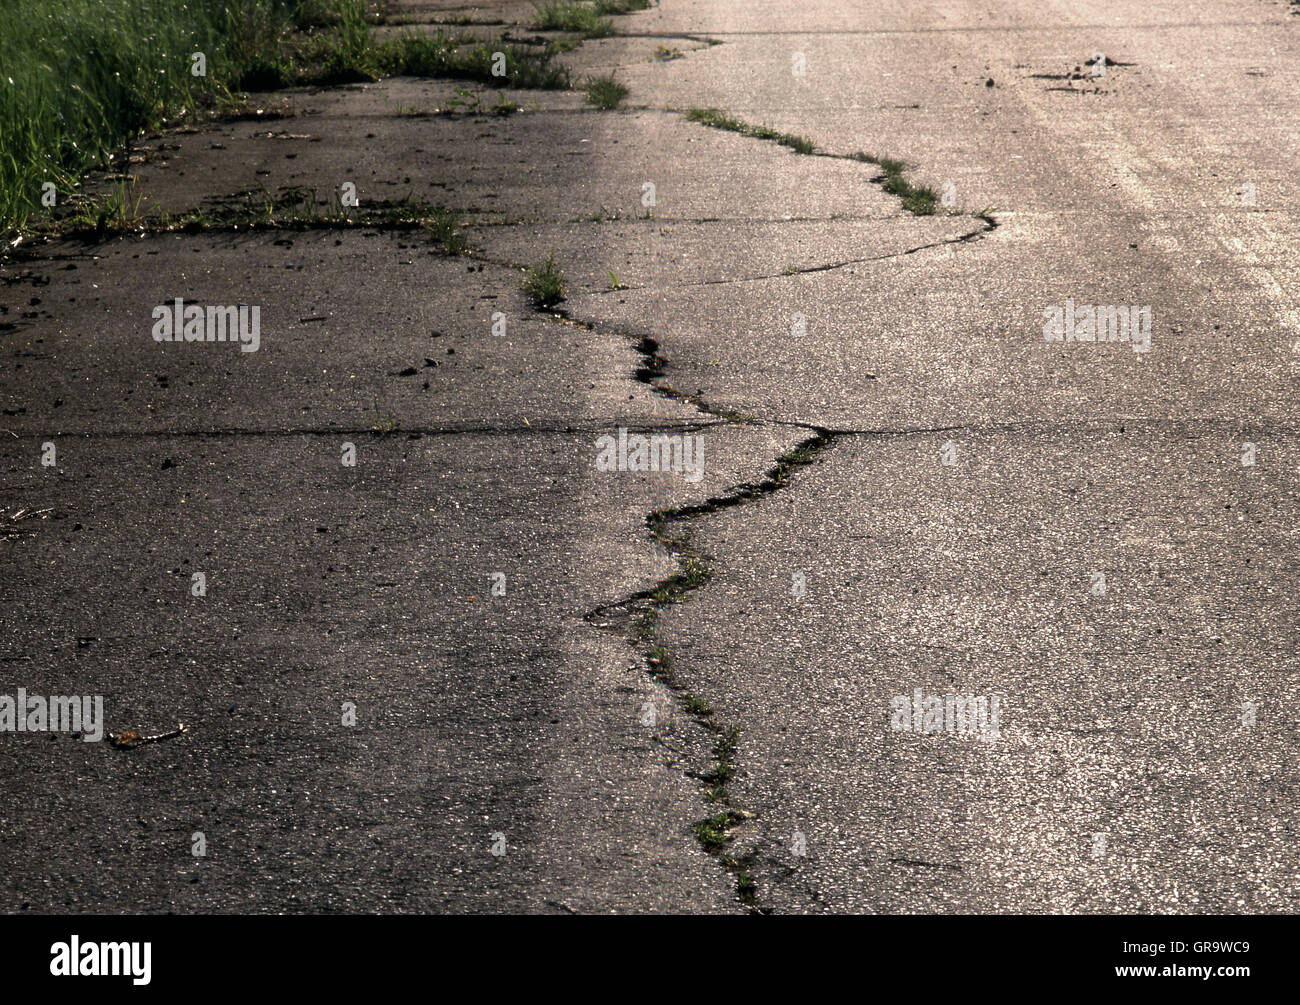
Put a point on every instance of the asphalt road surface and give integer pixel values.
(953, 615)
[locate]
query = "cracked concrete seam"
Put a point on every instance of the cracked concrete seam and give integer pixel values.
(401, 433)
(641, 610)
(692, 573)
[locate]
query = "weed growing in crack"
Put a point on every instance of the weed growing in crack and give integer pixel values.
(696, 705)
(715, 119)
(444, 229)
(504, 107)
(384, 421)
(545, 283)
(115, 212)
(669, 529)
(719, 775)
(919, 200)
(714, 831)
(660, 660)
(605, 92)
(791, 459)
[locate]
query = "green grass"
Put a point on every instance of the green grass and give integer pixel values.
(697, 706)
(582, 18)
(620, 6)
(115, 211)
(919, 200)
(717, 120)
(723, 765)
(791, 459)
(80, 78)
(605, 92)
(348, 56)
(714, 833)
(660, 659)
(545, 283)
(442, 55)
(503, 106)
(444, 229)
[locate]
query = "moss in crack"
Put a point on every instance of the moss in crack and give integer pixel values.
(804, 453)
(670, 529)
(667, 526)
(714, 832)
(714, 835)
(692, 574)
(696, 705)
(660, 660)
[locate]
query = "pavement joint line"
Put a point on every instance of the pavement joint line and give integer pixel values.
(401, 433)
(702, 39)
(1037, 27)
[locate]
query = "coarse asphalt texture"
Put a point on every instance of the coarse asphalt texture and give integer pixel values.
(474, 672)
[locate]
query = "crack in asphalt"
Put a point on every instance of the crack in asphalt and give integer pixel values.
(692, 573)
(989, 224)
(688, 578)
(998, 29)
(401, 433)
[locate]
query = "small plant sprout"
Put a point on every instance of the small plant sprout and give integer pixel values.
(545, 283)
